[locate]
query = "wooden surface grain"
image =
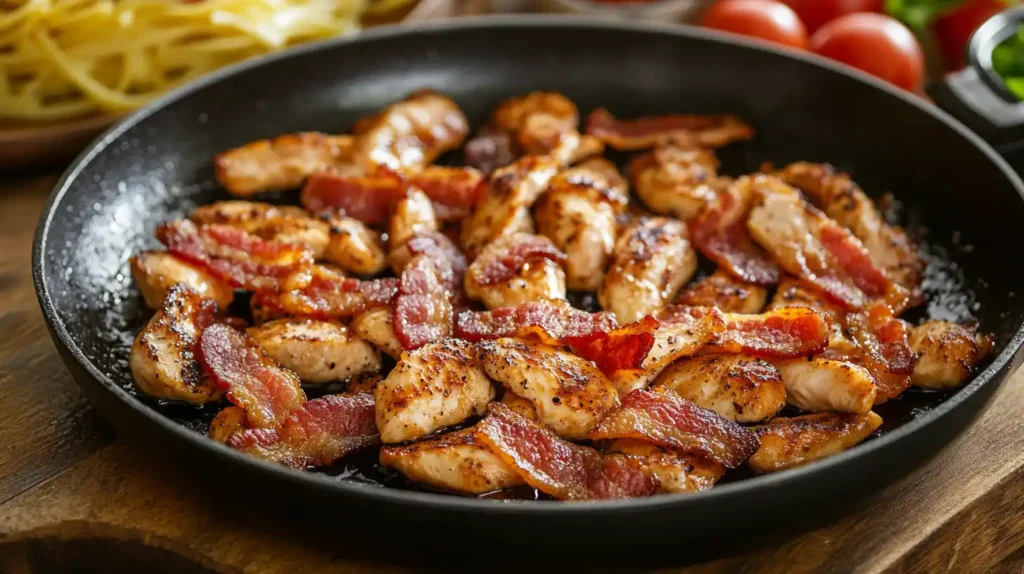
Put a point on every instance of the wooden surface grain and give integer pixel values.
(72, 493)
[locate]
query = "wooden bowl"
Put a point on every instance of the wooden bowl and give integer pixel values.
(32, 145)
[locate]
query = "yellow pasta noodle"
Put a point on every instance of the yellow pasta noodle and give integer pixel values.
(65, 58)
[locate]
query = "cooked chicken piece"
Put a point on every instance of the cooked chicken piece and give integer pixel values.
(453, 461)
(515, 269)
(282, 224)
(436, 386)
(411, 133)
(280, 163)
(722, 290)
(653, 260)
(355, 247)
(844, 201)
(741, 388)
(675, 472)
(364, 383)
(947, 353)
(673, 180)
(155, 272)
(790, 442)
(570, 393)
(162, 361)
(378, 328)
(819, 385)
(227, 421)
(520, 405)
(512, 113)
(413, 214)
(578, 215)
(317, 351)
(671, 342)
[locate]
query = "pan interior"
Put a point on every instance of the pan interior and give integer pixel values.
(160, 167)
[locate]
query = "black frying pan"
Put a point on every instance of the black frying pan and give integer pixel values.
(157, 165)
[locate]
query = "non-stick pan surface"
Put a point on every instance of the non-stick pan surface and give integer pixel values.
(157, 165)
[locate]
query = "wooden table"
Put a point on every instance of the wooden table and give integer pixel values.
(74, 495)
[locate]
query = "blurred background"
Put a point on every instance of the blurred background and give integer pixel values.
(70, 68)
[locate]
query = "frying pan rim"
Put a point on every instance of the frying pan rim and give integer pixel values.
(427, 500)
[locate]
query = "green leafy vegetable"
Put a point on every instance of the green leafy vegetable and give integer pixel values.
(1008, 62)
(919, 13)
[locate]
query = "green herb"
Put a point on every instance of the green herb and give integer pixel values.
(919, 13)
(1008, 62)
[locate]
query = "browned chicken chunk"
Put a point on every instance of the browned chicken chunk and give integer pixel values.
(155, 272)
(280, 163)
(377, 327)
(790, 442)
(947, 354)
(673, 180)
(675, 472)
(433, 387)
(738, 387)
(722, 290)
(819, 385)
(317, 351)
(511, 270)
(453, 461)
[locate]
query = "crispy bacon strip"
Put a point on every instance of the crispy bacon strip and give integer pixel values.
(720, 232)
(326, 294)
(620, 349)
(491, 150)
(666, 419)
(454, 191)
(441, 249)
(690, 130)
(549, 322)
(883, 348)
(319, 433)
(234, 256)
(366, 198)
(785, 333)
(253, 381)
(423, 309)
(557, 467)
(280, 163)
(527, 248)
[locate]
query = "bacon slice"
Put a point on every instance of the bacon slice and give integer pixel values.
(624, 348)
(548, 322)
(557, 467)
(319, 433)
(453, 263)
(507, 264)
(720, 232)
(366, 198)
(454, 191)
(806, 243)
(784, 333)
(423, 310)
(234, 256)
(689, 130)
(490, 151)
(323, 293)
(666, 419)
(251, 379)
(883, 348)
(280, 163)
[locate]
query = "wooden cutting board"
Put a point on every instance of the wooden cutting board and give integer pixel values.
(76, 498)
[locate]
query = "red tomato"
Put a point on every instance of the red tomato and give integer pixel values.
(764, 19)
(954, 30)
(816, 13)
(876, 44)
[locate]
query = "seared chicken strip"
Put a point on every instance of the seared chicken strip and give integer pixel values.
(413, 214)
(947, 354)
(819, 385)
(155, 272)
(162, 360)
(411, 133)
(843, 200)
(436, 386)
(515, 269)
(570, 393)
(653, 260)
(722, 290)
(280, 163)
(578, 215)
(741, 388)
(543, 123)
(790, 442)
(454, 461)
(317, 351)
(675, 472)
(674, 180)
(377, 327)
(355, 247)
(520, 405)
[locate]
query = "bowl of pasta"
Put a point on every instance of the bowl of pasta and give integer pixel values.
(71, 68)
